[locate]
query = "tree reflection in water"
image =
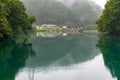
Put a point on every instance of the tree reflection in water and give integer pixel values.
(13, 56)
(63, 51)
(110, 48)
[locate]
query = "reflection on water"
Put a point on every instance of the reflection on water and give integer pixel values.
(110, 48)
(63, 51)
(13, 57)
(90, 70)
(71, 57)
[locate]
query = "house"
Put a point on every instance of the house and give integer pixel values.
(48, 25)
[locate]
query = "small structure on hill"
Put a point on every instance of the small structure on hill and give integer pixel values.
(48, 25)
(64, 27)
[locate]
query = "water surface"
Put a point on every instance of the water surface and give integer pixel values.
(71, 57)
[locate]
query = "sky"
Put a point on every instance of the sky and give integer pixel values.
(100, 2)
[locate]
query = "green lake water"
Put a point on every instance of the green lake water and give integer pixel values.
(61, 57)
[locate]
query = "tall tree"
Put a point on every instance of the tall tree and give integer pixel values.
(13, 18)
(109, 22)
(17, 16)
(5, 27)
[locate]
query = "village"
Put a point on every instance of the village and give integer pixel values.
(64, 29)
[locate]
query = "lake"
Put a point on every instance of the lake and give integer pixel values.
(60, 57)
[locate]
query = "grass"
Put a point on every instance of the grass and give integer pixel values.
(90, 31)
(49, 29)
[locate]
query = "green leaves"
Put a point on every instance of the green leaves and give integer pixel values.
(5, 27)
(110, 19)
(32, 19)
(13, 18)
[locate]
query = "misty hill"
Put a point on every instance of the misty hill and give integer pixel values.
(87, 10)
(51, 12)
(63, 12)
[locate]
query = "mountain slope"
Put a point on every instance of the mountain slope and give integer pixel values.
(51, 12)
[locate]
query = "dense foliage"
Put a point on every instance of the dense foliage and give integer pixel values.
(63, 13)
(13, 18)
(109, 23)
